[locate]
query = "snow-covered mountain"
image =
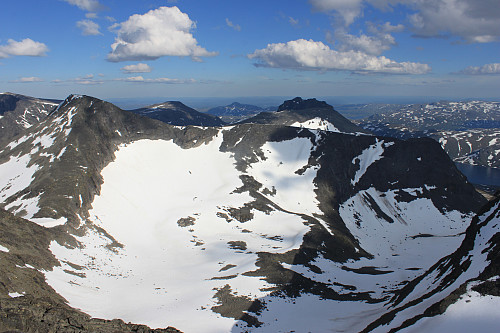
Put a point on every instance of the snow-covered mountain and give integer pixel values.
(250, 227)
(468, 131)
(474, 146)
(310, 113)
(437, 116)
(176, 113)
(18, 112)
(235, 112)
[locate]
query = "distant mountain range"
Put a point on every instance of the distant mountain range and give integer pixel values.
(295, 220)
(468, 131)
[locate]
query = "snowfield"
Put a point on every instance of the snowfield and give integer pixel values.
(179, 245)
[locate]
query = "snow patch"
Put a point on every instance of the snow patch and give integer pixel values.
(368, 157)
(15, 175)
(22, 139)
(316, 124)
(48, 222)
(44, 140)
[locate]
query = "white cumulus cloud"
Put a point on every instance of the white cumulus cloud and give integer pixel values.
(26, 47)
(88, 27)
(165, 31)
(304, 54)
(482, 70)
(379, 41)
(137, 68)
(88, 5)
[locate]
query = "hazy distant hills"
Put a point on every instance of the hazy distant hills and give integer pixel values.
(468, 131)
(18, 112)
(176, 113)
(290, 221)
(359, 111)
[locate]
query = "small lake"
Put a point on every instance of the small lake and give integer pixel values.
(480, 174)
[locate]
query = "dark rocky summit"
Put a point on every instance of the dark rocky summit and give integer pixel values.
(298, 112)
(300, 104)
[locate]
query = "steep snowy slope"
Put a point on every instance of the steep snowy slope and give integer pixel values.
(468, 279)
(475, 146)
(248, 227)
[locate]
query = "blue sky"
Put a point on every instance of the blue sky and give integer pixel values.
(226, 48)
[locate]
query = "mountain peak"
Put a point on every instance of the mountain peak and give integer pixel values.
(75, 102)
(168, 105)
(300, 104)
(178, 114)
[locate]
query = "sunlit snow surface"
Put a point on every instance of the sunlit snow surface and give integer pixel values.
(317, 123)
(166, 274)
